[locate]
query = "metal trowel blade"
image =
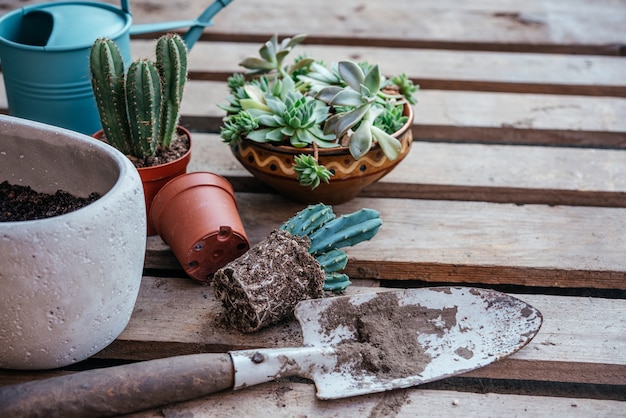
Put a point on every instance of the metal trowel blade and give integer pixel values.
(423, 335)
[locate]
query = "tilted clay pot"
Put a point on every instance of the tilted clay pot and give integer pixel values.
(273, 165)
(196, 215)
(68, 284)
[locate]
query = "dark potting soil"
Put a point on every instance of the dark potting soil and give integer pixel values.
(177, 149)
(22, 203)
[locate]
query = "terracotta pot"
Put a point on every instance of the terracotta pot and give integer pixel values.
(272, 165)
(196, 215)
(68, 283)
(153, 178)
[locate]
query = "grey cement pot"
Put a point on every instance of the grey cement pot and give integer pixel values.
(68, 284)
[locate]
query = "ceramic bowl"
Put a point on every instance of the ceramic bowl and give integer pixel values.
(68, 284)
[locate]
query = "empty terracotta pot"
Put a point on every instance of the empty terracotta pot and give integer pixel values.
(196, 215)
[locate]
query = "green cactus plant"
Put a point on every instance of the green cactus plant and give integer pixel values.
(139, 110)
(143, 103)
(109, 86)
(328, 233)
(171, 62)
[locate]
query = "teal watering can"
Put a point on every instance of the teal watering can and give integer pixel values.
(44, 51)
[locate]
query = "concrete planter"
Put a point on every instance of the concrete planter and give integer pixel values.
(68, 284)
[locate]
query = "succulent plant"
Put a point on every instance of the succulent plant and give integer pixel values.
(139, 110)
(310, 104)
(310, 172)
(272, 54)
(329, 233)
(365, 102)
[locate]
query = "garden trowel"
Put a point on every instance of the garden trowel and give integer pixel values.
(352, 345)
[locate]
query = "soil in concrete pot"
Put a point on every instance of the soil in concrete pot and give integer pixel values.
(263, 286)
(22, 203)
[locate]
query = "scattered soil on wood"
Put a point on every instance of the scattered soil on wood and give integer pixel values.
(384, 334)
(22, 203)
(263, 286)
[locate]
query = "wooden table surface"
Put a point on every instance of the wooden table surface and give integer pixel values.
(516, 181)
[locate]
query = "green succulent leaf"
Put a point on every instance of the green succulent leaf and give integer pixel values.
(390, 146)
(352, 74)
(254, 63)
(347, 98)
(327, 94)
(309, 172)
(373, 80)
(361, 140)
(341, 122)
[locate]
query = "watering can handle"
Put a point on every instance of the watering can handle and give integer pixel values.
(195, 26)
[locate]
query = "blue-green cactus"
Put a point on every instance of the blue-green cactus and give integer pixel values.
(336, 281)
(308, 220)
(328, 233)
(333, 260)
(345, 231)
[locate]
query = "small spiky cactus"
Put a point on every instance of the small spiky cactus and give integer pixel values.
(328, 233)
(108, 82)
(139, 110)
(171, 61)
(143, 100)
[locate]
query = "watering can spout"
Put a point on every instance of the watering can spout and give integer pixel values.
(195, 26)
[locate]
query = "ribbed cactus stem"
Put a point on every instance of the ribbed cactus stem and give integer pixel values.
(333, 260)
(336, 281)
(345, 231)
(327, 234)
(107, 76)
(309, 220)
(171, 60)
(144, 106)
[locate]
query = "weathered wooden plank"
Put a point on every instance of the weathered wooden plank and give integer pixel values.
(287, 399)
(485, 24)
(544, 25)
(494, 173)
(437, 69)
(178, 316)
(465, 242)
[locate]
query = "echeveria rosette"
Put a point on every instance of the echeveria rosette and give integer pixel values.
(287, 113)
(237, 126)
(309, 172)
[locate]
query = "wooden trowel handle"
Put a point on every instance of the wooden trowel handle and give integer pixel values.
(120, 389)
